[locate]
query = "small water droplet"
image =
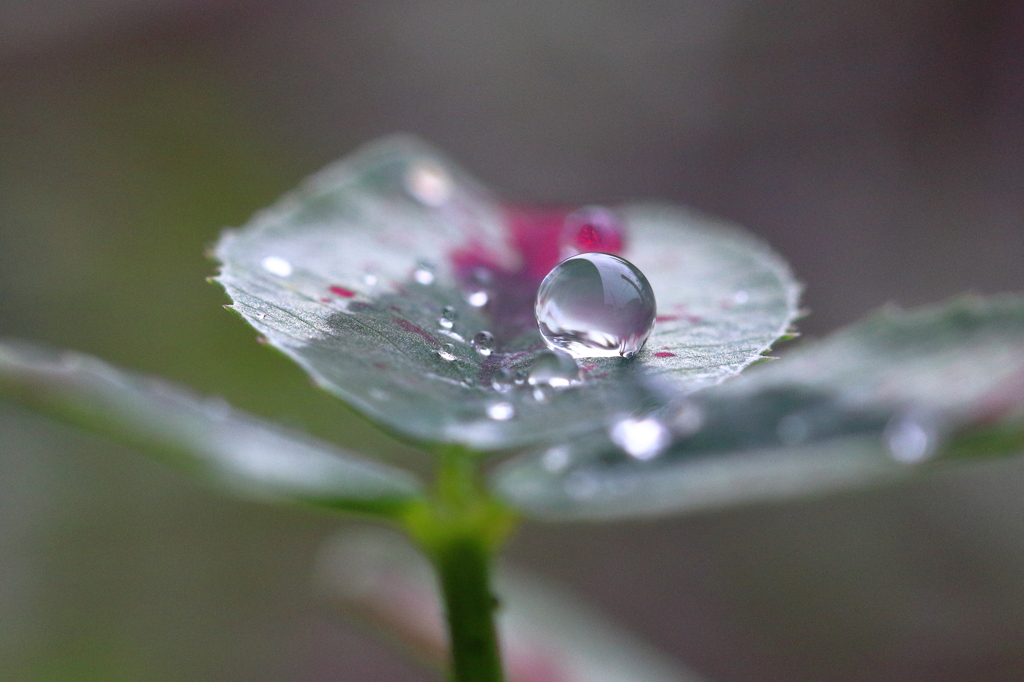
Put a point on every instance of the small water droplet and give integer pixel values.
(277, 266)
(428, 183)
(469, 382)
(501, 380)
(446, 352)
(478, 299)
(448, 317)
(424, 273)
(592, 228)
(741, 297)
(543, 394)
(643, 439)
(369, 279)
(911, 437)
(595, 305)
(555, 369)
(555, 459)
(483, 342)
(501, 411)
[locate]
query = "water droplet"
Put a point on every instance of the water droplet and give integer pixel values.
(369, 279)
(543, 394)
(277, 266)
(741, 297)
(595, 305)
(501, 411)
(555, 369)
(478, 299)
(446, 352)
(424, 273)
(911, 437)
(643, 439)
(555, 459)
(501, 380)
(428, 183)
(469, 382)
(484, 343)
(448, 317)
(592, 228)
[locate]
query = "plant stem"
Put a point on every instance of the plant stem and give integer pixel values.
(463, 564)
(460, 530)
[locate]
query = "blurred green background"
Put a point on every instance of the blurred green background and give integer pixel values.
(878, 145)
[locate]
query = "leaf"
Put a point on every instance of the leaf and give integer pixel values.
(203, 436)
(350, 276)
(879, 400)
(546, 636)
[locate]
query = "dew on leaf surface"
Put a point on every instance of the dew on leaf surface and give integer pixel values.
(483, 342)
(595, 305)
(555, 369)
(424, 273)
(448, 317)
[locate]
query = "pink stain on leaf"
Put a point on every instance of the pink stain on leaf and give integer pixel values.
(538, 234)
(410, 327)
(664, 354)
(341, 291)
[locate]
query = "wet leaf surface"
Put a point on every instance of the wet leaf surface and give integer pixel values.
(886, 397)
(376, 274)
(206, 437)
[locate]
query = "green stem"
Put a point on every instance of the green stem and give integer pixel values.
(461, 529)
(463, 564)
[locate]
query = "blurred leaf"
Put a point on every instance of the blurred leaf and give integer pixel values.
(546, 636)
(878, 400)
(351, 274)
(203, 436)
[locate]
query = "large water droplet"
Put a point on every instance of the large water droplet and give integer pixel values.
(592, 228)
(555, 369)
(484, 343)
(595, 305)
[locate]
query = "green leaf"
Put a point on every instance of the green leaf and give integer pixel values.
(350, 275)
(545, 634)
(203, 436)
(886, 397)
